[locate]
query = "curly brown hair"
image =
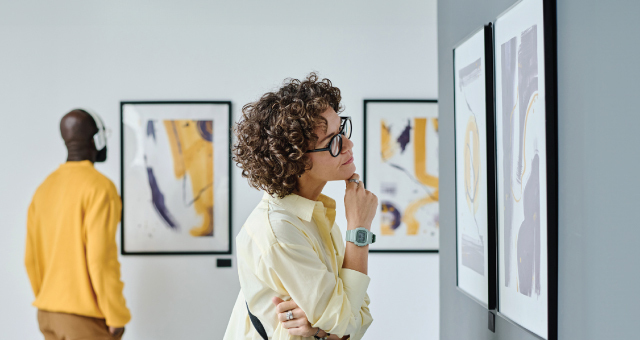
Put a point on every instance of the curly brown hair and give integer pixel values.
(275, 132)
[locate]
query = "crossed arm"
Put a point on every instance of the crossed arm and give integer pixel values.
(299, 325)
(360, 209)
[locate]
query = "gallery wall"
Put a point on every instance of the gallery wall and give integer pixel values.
(60, 55)
(597, 145)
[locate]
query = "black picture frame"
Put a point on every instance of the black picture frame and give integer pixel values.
(123, 249)
(491, 244)
(551, 149)
(364, 172)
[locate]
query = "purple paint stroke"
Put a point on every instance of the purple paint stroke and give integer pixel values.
(390, 209)
(529, 235)
(527, 84)
(205, 129)
(151, 131)
(473, 254)
(157, 198)
(405, 137)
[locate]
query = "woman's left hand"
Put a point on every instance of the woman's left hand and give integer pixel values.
(299, 325)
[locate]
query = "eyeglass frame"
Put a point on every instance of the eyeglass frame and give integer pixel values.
(343, 124)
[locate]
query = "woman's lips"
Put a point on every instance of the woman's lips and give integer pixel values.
(349, 161)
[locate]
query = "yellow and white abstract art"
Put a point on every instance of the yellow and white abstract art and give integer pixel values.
(175, 177)
(522, 166)
(401, 168)
(471, 166)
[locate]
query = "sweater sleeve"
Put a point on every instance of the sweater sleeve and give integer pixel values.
(29, 257)
(101, 220)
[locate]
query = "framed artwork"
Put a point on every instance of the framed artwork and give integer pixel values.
(527, 170)
(175, 173)
(401, 168)
(475, 166)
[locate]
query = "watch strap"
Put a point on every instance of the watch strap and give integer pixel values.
(351, 236)
(315, 336)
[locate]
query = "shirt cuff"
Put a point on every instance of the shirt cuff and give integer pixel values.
(355, 287)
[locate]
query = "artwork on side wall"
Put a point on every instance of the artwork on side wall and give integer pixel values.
(401, 168)
(475, 184)
(176, 177)
(526, 167)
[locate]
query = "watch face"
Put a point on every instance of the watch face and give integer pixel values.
(361, 236)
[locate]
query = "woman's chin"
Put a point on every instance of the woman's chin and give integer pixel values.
(348, 171)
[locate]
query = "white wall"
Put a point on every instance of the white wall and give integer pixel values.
(63, 54)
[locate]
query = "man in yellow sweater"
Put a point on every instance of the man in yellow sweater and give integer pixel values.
(71, 253)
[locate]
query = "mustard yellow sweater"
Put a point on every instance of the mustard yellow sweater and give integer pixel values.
(71, 253)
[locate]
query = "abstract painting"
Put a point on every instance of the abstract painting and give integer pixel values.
(472, 103)
(521, 144)
(175, 177)
(401, 168)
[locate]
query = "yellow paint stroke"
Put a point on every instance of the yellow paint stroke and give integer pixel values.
(420, 154)
(385, 228)
(472, 156)
(524, 144)
(388, 146)
(420, 169)
(193, 155)
(174, 144)
(409, 216)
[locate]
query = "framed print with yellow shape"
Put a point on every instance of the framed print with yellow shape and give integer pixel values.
(175, 177)
(475, 166)
(401, 168)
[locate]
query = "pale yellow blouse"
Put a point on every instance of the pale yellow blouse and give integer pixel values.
(292, 248)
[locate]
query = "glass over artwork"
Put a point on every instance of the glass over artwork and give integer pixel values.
(175, 177)
(471, 166)
(401, 168)
(521, 166)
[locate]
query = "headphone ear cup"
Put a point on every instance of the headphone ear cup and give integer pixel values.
(98, 141)
(100, 138)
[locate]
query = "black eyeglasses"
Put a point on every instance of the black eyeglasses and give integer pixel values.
(335, 144)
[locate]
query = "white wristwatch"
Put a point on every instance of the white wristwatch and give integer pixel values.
(361, 237)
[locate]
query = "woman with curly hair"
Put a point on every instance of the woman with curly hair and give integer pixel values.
(298, 278)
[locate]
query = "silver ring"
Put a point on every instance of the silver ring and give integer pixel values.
(289, 315)
(354, 181)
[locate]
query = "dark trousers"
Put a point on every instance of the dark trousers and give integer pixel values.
(63, 326)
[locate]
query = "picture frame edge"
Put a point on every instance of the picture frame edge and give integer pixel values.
(123, 250)
(391, 100)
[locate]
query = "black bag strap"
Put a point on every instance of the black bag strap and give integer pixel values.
(257, 324)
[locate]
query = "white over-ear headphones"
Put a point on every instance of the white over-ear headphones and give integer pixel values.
(100, 138)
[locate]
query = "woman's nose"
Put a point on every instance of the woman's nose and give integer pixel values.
(347, 143)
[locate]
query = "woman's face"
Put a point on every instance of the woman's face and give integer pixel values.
(326, 167)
